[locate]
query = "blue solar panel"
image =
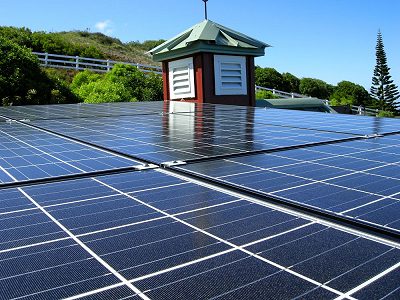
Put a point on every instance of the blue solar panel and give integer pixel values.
(160, 138)
(354, 179)
(207, 227)
(175, 236)
(27, 153)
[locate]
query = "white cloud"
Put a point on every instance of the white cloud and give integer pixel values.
(104, 26)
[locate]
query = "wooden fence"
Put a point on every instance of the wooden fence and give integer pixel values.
(281, 94)
(85, 63)
(364, 111)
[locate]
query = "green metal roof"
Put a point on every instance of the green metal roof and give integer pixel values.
(296, 103)
(208, 36)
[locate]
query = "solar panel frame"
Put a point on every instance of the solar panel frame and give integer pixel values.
(291, 175)
(177, 142)
(135, 187)
(212, 221)
(28, 154)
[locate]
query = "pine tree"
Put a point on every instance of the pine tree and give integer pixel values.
(383, 90)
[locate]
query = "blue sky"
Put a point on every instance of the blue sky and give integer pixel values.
(332, 40)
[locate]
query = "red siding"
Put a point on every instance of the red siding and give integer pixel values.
(205, 83)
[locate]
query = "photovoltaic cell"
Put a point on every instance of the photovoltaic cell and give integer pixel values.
(27, 153)
(160, 138)
(85, 110)
(58, 271)
(329, 122)
(155, 234)
(120, 292)
(350, 178)
(182, 249)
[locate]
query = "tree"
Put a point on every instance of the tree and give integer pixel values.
(383, 90)
(349, 93)
(269, 78)
(23, 82)
(291, 82)
(153, 90)
(314, 88)
(18, 70)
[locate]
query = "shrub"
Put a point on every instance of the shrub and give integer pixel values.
(54, 42)
(153, 90)
(263, 94)
(104, 91)
(123, 83)
(22, 81)
(150, 44)
(58, 84)
(83, 78)
(386, 114)
(21, 36)
(141, 86)
(20, 74)
(146, 45)
(66, 76)
(104, 39)
(91, 52)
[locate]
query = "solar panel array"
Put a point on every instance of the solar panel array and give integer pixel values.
(183, 201)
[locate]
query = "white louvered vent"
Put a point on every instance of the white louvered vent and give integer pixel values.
(181, 78)
(230, 75)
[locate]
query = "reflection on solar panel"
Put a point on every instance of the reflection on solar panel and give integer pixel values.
(27, 153)
(261, 204)
(358, 179)
(160, 138)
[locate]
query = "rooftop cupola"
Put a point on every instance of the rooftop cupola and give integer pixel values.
(209, 63)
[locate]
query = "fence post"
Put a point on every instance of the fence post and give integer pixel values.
(273, 91)
(77, 62)
(292, 95)
(46, 57)
(108, 65)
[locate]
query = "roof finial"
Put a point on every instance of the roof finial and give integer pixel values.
(205, 9)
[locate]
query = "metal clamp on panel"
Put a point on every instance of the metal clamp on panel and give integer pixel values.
(372, 136)
(145, 167)
(173, 163)
(10, 121)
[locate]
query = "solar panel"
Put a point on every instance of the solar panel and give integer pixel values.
(262, 203)
(168, 242)
(360, 125)
(27, 153)
(358, 179)
(160, 138)
(85, 110)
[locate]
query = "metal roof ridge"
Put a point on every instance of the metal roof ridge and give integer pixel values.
(206, 31)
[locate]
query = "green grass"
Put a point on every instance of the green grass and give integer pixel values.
(82, 43)
(111, 48)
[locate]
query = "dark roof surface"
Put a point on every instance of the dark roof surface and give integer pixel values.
(172, 200)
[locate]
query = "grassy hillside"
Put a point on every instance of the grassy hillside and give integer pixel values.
(82, 43)
(23, 81)
(112, 48)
